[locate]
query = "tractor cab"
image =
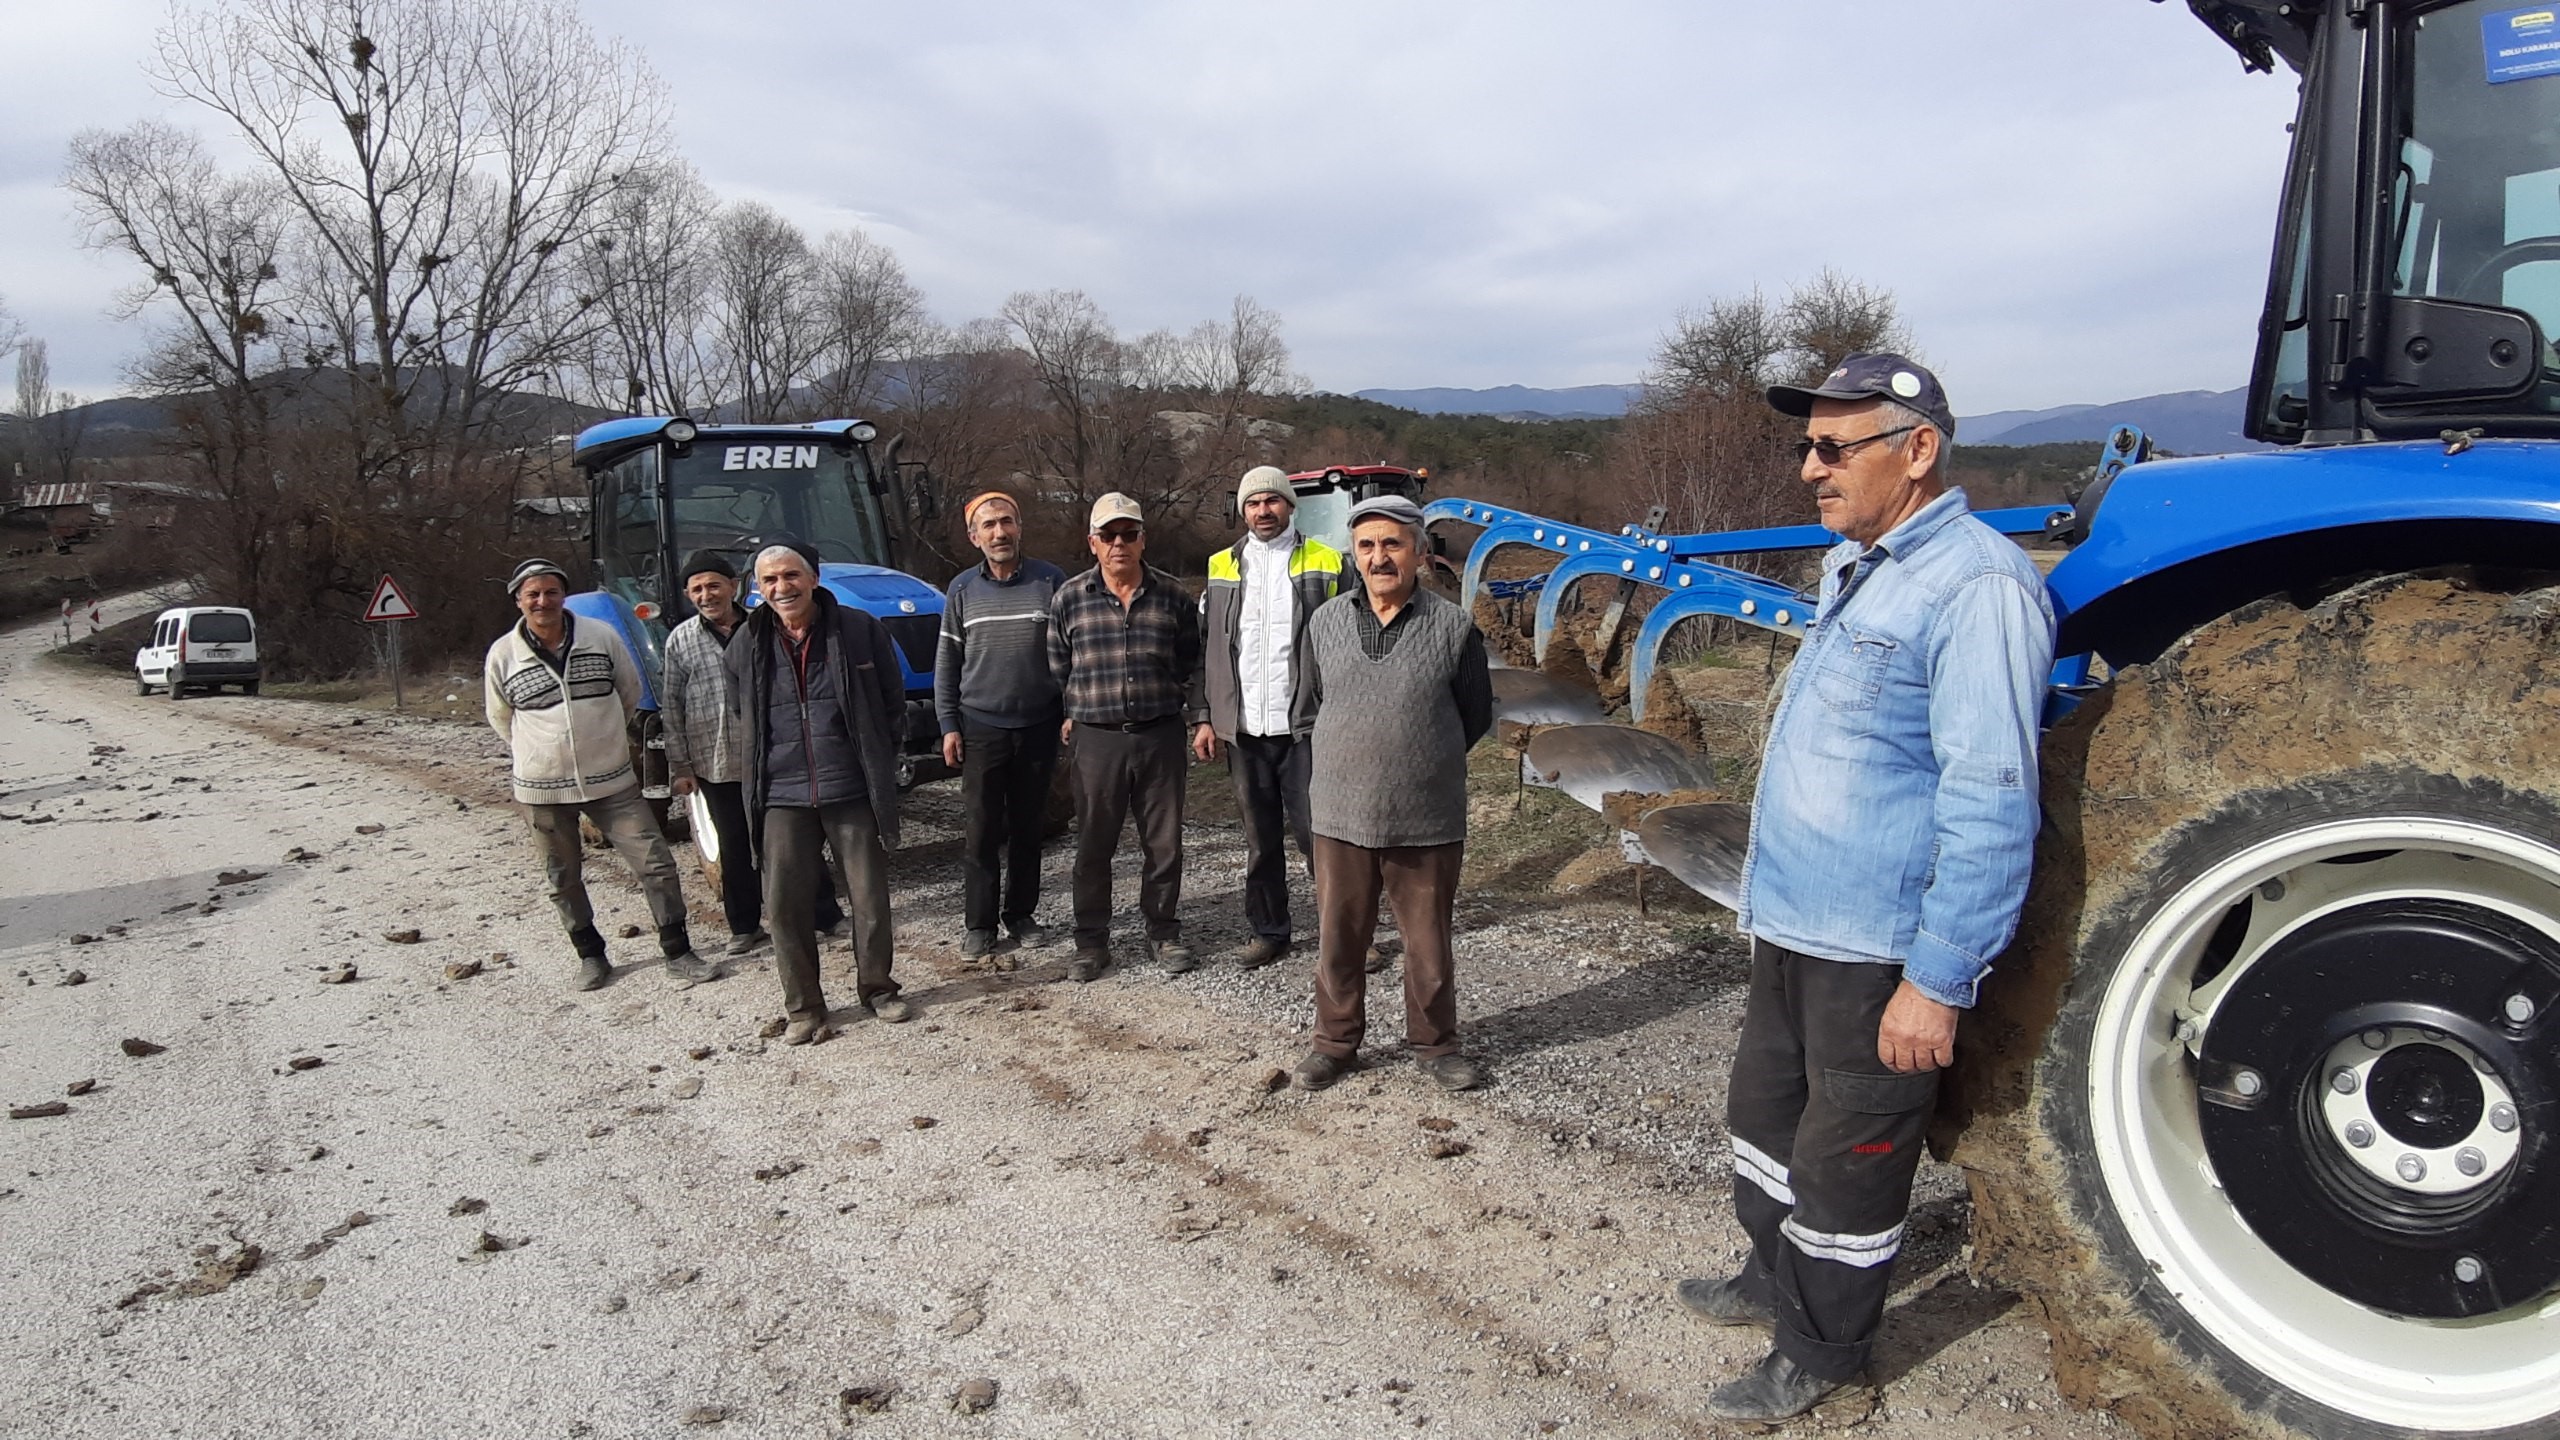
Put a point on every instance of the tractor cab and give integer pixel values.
(1325, 497)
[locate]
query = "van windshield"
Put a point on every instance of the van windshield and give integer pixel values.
(218, 629)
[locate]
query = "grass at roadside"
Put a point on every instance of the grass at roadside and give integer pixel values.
(430, 697)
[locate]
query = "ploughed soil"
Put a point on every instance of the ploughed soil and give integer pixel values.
(341, 1153)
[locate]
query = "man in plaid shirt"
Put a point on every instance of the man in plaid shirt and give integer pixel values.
(1124, 641)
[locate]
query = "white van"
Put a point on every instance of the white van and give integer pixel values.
(203, 647)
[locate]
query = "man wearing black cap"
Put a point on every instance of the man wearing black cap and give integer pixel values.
(1399, 692)
(1891, 836)
(562, 695)
(705, 739)
(820, 697)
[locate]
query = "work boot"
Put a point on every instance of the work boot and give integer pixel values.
(1030, 934)
(978, 945)
(1089, 965)
(1452, 1072)
(688, 970)
(1175, 956)
(741, 946)
(594, 973)
(1261, 951)
(893, 1009)
(806, 1032)
(1775, 1389)
(1378, 958)
(1725, 1302)
(1319, 1070)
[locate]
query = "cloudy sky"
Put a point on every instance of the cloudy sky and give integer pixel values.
(2072, 199)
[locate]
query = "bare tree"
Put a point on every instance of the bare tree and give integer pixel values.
(765, 304)
(1090, 438)
(35, 382)
(867, 312)
(1728, 349)
(1832, 316)
(649, 268)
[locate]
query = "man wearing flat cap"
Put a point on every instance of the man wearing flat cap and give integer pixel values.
(1124, 642)
(1890, 843)
(998, 704)
(1401, 691)
(1262, 592)
(706, 741)
(822, 700)
(562, 694)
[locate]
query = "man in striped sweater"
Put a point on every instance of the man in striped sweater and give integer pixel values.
(561, 695)
(997, 700)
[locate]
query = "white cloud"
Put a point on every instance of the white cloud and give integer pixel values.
(2072, 202)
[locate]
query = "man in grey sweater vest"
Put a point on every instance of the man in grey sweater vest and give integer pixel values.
(1401, 691)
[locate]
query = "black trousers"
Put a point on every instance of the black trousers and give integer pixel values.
(1271, 791)
(1825, 1142)
(1121, 775)
(1004, 793)
(795, 870)
(741, 887)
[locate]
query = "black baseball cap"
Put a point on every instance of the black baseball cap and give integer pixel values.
(1880, 376)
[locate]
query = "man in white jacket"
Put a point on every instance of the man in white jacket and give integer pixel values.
(561, 695)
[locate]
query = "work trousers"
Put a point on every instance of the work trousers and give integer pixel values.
(1271, 791)
(1825, 1142)
(741, 884)
(631, 827)
(1121, 775)
(1421, 887)
(795, 870)
(1004, 795)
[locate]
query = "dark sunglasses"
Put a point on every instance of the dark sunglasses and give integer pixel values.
(1129, 536)
(1832, 452)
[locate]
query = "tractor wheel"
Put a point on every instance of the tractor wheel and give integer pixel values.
(2262, 1109)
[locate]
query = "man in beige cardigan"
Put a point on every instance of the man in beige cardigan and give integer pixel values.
(561, 695)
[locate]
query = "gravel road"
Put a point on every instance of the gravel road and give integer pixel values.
(493, 1206)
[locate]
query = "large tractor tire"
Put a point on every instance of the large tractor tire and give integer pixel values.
(2260, 1109)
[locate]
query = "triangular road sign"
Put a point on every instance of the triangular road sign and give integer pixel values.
(390, 602)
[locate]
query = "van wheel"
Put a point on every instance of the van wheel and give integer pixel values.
(141, 686)
(251, 688)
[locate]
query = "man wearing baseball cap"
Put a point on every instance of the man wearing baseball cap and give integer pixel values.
(1890, 841)
(998, 704)
(1262, 591)
(562, 694)
(706, 739)
(1124, 643)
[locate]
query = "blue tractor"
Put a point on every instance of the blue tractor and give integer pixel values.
(663, 487)
(2262, 1109)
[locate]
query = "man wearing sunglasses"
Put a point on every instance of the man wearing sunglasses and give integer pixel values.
(1124, 642)
(1890, 841)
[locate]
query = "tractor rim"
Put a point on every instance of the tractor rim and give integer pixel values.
(2152, 1083)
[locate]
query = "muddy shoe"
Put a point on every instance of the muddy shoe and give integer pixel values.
(1453, 1072)
(1725, 1302)
(978, 945)
(1175, 956)
(1262, 951)
(1774, 1390)
(1319, 1070)
(1089, 965)
(688, 970)
(1029, 936)
(594, 973)
(806, 1032)
(894, 1009)
(741, 946)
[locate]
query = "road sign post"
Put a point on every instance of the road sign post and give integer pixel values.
(389, 606)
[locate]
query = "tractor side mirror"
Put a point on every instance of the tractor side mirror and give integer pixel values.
(2453, 350)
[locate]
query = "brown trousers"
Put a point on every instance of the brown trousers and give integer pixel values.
(1421, 886)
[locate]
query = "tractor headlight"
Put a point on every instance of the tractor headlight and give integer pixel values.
(681, 431)
(864, 432)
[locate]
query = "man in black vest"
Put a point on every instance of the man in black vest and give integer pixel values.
(818, 689)
(1402, 690)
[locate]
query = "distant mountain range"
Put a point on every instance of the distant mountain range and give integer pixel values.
(1579, 402)
(2191, 422)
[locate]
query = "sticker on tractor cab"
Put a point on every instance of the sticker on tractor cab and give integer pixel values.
(2521, 44)
(769, 457)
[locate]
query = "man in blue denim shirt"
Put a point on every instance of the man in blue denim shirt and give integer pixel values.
(1890, 844)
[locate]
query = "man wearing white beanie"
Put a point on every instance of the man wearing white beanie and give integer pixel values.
(1261, 592)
